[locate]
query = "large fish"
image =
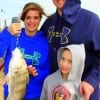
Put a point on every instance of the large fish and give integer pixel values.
(17, 77)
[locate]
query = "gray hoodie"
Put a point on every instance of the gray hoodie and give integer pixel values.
(70, 87)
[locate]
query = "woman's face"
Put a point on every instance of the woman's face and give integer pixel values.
(32, 20)
(59, 3)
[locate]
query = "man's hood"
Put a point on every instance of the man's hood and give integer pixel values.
(71, 10)
(78, 61)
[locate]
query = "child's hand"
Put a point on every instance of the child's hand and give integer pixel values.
(32, 70)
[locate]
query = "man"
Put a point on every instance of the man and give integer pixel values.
(72, 24)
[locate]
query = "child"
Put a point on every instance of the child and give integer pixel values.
(64, 83)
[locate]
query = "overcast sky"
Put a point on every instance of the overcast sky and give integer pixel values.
(14, 7)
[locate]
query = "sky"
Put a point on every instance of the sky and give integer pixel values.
(11, 8)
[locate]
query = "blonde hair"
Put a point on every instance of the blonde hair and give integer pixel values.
(32, 6)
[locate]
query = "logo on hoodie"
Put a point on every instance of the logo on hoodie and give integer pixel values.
(60, 93)
(35, 57)
(63, 35)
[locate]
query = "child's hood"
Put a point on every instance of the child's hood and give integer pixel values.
(78, 61)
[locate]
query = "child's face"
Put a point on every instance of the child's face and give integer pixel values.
(65, 63)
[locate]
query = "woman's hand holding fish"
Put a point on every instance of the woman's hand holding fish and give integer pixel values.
(32, 70)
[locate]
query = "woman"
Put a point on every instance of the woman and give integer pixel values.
(33, 46)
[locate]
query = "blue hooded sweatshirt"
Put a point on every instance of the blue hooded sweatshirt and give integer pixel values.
(75, 26)
(35, 52)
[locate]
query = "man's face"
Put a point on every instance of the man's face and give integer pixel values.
(59, 3)
(65, 63)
